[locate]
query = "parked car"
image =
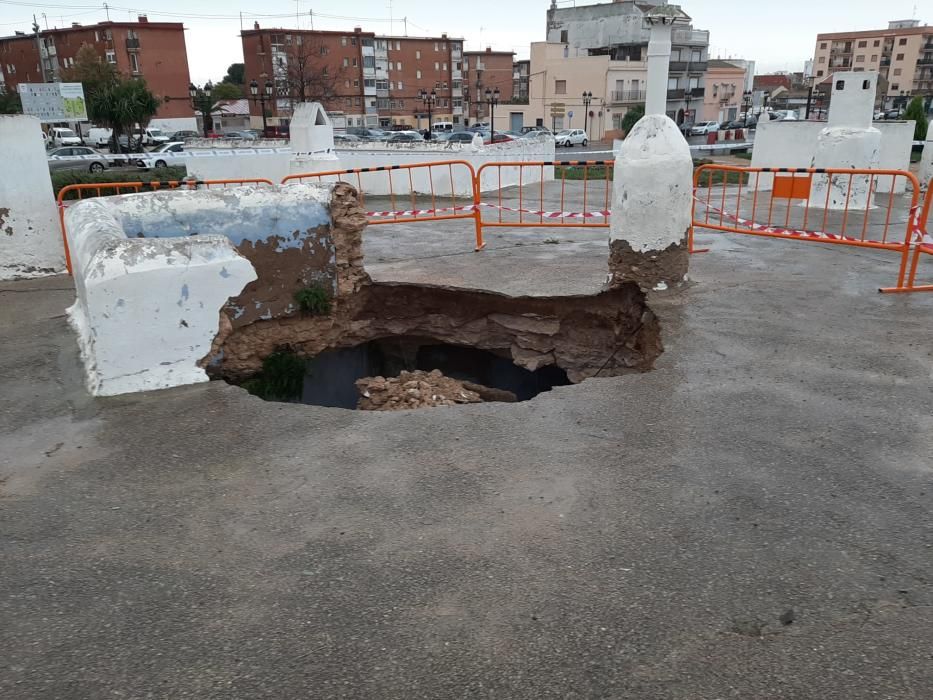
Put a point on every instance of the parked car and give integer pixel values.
(245, 135)
(536, 130)
(570, 137)
(365, 133)
(457, 137)
(892, 114)
(704, 128)
(442, 127)
(92, 162)
(405, 137)
(184, 134)
(346, 138)
(686, 127)
(161, 156)
(60, 136)
(150, 136)
(735, 124)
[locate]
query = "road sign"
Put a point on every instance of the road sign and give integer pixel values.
(570, 114)
(54, 102)
(557, 109)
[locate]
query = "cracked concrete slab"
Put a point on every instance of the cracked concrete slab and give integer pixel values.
(632, 537)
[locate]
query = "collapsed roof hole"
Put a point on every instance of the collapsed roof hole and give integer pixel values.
(330, 378)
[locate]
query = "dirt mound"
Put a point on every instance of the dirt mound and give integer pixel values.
(421, 389)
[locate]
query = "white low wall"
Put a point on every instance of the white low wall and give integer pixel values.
(147, 309)
(30, 235)
(792, 144)
(277, 163)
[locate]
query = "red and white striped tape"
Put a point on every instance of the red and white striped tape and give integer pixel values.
(795, 233)
(420, 212)
(472, 207)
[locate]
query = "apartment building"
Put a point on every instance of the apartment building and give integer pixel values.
(154, 51)
(902, 54)
(486, 70)
(361, 79)
(619, 30)
(521, 70)
(724, 88)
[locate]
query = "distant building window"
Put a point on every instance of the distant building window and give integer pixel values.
(822, 59)
(860, 59)
(343, 41)
(563, 36)
(696, 55)
(895, 87)
(897, 71)
(823, 45)
(353, 41)
(445, 66)
(436, 47)
(355, 63)
(134, 63)
(819, 74)
(900, 57)
(346, 62)
(398, 45)
(560, 87)
(111, 56)
(877, 42)
(398, 65)
(902, 42)
(874, 57)
(437, 65)
(418, 74)
(862, 44)
(417, 54)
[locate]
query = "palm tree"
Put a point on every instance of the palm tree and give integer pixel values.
(121, 105)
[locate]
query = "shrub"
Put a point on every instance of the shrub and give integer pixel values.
(313, 300)
(281, 379)
(916, 112)
(77, 177)
(631, 117)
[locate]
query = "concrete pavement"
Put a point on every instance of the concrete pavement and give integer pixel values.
(752, 519)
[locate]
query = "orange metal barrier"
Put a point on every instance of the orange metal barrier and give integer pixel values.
(924, 246)
(737, 200)
(537, 204)
(76, 192)
(440, 181)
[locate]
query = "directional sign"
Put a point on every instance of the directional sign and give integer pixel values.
(570, 114)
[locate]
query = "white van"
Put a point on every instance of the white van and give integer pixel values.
(99, 137)
(442, 127)
(60, 136)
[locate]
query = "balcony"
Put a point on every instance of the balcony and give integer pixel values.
(626, 97)
(691, 66)
(382, 93)
(925, 61)
(681, 93)
(690, 36)
(517, 100)
(676, 94)
(132, 44)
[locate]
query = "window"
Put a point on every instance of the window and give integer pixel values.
(355, 63)
(444, 66)
(840, 84)
(695, 83)
(111, 56)
(897, 71)
(346, 83)
(436, 48)
(369, 82)
(902, 42)
(696, 55)
(343, 41)
(860, 59)
(458, 66)
(437, 66)
(382, 103)
(895, 87)
(819, 74)
(357, 101)
(563, 36)
(398, 45)
(444, 85)
(900, 57)
(134, 63)
(823, 45)
(877, 42)
(456, 84)
(348, 100)
(862, 44)
(417, 54)
(400, 85)
(398, 65)
(874, 57)
(418, 74)
(672, 84)
(382, 84)
(324, 50)
(352, 41)
(560, 87)
(822, 59)
(346, 62)
(369, 62)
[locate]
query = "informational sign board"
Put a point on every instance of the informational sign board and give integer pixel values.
(54, 102)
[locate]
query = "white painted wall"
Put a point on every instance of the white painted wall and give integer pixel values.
(30, 234)
(659, 58)
(792, 144)
(173, 124)
(230, 165)
(849, 148)
(652, 190)
(853, 99)
(311, 129)
(925, 173)
(147, 309)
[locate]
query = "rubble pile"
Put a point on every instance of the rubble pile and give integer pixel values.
(419, 389)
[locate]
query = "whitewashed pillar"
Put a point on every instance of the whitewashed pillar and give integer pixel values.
(659, 63)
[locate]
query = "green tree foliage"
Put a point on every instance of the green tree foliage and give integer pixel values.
(227, 91)
(236, 74)
(631, 117)
(916, 112)
(91, 71)
(121, 105)
(10, 103)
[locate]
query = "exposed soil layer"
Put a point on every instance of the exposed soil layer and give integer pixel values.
(647, 269)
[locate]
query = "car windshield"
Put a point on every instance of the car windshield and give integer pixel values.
(563, 132)
(155, 132)
(65, 132)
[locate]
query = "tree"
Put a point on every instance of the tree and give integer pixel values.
(90, 70)
(916, 112)
(235, 74)
(227, 91)
(631, 117)
(121, 105)
(305, 74)
(10, 103)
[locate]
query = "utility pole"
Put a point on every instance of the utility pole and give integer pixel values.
(35, 30)
(107, 10)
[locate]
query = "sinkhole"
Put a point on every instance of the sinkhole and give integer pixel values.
(402, 372)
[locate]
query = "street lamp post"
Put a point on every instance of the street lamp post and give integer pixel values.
(687, 98)
(428, 99)
(260, 97)
(747, 103)
(492, 99)
(201, 101)
(587, 98)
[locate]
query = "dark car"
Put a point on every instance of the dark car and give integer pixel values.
(405, 137)
(365, 133)
(182, 135)
(735, 124)
(90, 160)
(459, 137)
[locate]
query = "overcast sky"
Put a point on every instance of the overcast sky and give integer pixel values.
(778, 34)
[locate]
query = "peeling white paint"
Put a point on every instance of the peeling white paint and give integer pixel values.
(848, 148)
(30, 235)
(653, 186)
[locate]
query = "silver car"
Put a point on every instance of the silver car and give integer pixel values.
(92, 161)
